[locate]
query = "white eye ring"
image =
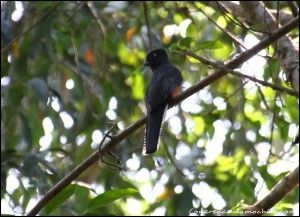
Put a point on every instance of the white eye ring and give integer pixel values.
(154, 54)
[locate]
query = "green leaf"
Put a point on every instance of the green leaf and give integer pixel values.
(291, 107)
(247, 188)
(127, 56)
(191, 31)
(284, 206)
(185, 42)
(178, 18)
(138, 86)
(225, 164)
(243, 170)
(283, 128)
(174, 47)
(60, 198)
(272, 68)
(110, 196)
(81, 199)
(221, 21)
(211, 45)
(221, 50)
(204, 44)
(199, 125)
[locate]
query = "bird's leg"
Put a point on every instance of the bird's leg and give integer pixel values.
(106, 135)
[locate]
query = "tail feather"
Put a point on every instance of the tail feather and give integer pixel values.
(153, 130)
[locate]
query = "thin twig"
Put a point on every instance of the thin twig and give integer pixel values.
(213, 107)
(220, 65)
(237, 23)
(228, 33)
(205, 61)
(89, 82)
(277, 15)
(103, 34)
(31, 27)
(172, 160)
(262, 96)
(97, 17)
(147, 24)
(76, 55)
(64, 182)
(76, 10)
(273, 121)
(181, 174)
(274, 116)
(294, 7)
(265, 83)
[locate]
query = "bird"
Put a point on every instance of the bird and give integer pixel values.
(165, 84)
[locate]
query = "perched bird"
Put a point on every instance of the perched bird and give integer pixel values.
(165, 84)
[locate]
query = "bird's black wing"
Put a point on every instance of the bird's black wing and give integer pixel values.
(162, 86)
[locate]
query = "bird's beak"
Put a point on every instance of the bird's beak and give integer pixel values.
(146, 63)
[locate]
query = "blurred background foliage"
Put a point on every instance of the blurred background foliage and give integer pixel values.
(80, 67)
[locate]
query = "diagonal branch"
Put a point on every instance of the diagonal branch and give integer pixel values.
(138, 124)
(294, 7)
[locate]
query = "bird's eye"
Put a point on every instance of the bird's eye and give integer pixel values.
(154, 54)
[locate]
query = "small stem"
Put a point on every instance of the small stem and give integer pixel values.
(147, 24)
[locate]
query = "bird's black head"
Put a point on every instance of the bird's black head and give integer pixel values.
(156, 57)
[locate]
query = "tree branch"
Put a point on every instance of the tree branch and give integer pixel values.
(219, 65)
(277, 193)
(294, 8)
(137, 125)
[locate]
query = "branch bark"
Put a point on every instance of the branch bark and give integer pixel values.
(137, 125)
(277, 193)
(294, 8)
